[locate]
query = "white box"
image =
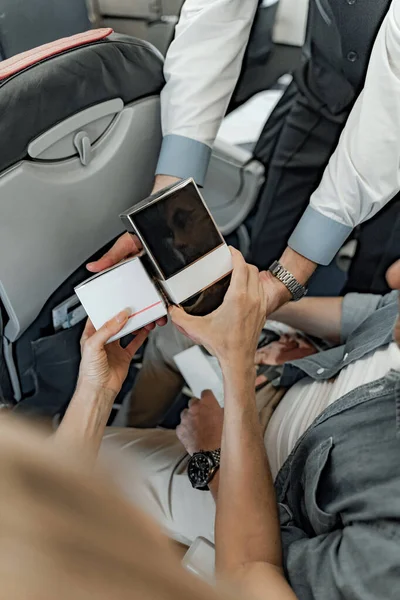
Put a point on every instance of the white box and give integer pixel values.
(201, 372)
(124, 286)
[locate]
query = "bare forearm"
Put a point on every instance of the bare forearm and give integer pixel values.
(84, 423)
(298, 265)
(247, 526)
(320, 317)
(214, 486)
(163, 181)
(277, 293)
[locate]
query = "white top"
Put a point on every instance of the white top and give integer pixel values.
(201, 69)
(307, 399)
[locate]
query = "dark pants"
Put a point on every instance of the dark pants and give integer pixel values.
(295, 148)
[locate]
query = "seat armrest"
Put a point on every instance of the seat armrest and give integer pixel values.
(232, 186)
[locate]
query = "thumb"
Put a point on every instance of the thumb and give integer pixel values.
(182, 320)
(110, 328)
(126, 245)
(209, 397)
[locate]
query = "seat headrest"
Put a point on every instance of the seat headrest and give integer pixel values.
(42, 87)
(27, 59)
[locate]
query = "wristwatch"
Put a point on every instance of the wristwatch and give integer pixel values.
(297, 290)
(202, 468)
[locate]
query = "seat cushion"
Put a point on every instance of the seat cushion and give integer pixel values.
(59, 85)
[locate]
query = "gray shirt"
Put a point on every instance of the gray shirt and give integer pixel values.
(339, 490)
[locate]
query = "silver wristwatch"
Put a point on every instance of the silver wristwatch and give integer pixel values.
(297, 290)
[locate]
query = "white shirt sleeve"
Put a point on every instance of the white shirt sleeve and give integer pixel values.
(364, 172)
(202, 67)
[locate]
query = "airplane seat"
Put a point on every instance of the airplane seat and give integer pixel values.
(25, 25)
(79, 143)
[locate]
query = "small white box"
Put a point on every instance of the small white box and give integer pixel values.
(201, 372)
(124, 286)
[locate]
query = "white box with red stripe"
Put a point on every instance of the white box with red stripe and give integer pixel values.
(124, 286)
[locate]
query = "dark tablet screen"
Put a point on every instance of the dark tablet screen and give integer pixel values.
(178, 230)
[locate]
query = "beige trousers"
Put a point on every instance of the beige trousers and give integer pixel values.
(183, 512)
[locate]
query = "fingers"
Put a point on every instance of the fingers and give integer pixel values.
(135, 344)
(109, 329)
(253, 279)
(288, 344)
(193, 401)
(207, 396)
(160, 322)
(87, 332)
(127, 245)
(256, 293)
(178, 316)
(246, 280)
(393, 276)
(263, 356)
(259, 359)
(303, 343)
(184, 414)
(240, 272)
(260, 380)
(186, 324)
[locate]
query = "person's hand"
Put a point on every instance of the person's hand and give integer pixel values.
(288, 347)
(126, 246)
(393, 279)
(231, 332)
(201, 424)
(104, 367)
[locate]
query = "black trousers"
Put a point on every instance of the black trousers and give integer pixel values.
(295, 148)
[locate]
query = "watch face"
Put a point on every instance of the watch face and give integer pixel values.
(199, 470)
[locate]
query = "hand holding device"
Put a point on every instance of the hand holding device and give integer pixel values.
(105, 367)
(231, 332)
(125, 247)
(184, 261)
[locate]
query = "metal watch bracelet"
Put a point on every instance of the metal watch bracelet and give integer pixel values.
(297, 290)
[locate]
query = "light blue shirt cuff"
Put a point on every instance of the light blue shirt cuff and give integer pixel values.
(318, 237)
(183, 157)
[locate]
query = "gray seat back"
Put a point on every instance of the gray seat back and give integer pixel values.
(28, 24)
(232, 185)
(56, 212)
(78, 147)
